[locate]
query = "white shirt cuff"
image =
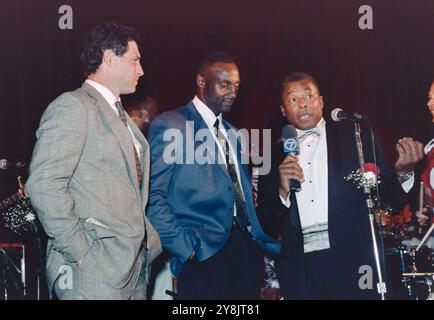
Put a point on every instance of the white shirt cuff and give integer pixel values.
(408, 184)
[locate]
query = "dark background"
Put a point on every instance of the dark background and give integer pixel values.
(384, 72)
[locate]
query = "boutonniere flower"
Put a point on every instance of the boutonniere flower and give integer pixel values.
(367, 178)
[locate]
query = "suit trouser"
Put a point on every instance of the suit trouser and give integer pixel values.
(234, 272)
(327, 275)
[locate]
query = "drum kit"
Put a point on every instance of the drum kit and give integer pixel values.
(18, 216)
(411, 272)
(409, 255)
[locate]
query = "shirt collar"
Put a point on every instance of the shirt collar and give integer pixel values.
(208, 116)
(320, 127)
(429, 146)
(104, 91)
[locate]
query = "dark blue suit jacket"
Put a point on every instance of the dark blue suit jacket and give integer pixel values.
(191, 205)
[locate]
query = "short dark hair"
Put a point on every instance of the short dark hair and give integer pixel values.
(107, 36)
(213, 58)
(135, 104)
(299, 76)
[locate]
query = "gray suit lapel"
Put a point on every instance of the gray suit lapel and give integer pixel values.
(144, 157)
(119, 130)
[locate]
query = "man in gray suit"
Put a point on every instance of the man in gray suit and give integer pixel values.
(89, 178)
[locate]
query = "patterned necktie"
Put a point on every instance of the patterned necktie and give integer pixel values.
(136, 156)
(240, 201)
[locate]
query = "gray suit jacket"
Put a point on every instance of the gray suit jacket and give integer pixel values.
(83, 186)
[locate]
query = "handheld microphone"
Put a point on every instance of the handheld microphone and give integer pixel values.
(6, 165)
(291, 146)
(338, 114)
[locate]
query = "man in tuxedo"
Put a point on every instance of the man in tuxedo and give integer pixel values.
(89, 178)
(324, 227)
(203, 210)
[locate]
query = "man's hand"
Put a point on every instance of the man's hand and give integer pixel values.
(289, 169)
(192, 256)
(410, 152)
(22, 193)
(422, 218)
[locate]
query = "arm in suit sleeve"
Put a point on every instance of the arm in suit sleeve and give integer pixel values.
(270, 209)
(60, 140)
(178, 239)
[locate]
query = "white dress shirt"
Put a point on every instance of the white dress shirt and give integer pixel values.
(209, 117)
(313, 197)
(312, 200)
(111, 99)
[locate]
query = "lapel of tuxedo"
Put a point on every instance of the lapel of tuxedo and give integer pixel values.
(119, 130)
(335, 173)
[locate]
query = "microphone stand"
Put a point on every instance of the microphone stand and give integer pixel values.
(10, 271)
(40, 271)
(381, 285)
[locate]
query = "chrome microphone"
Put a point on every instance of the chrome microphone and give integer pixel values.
(338, 114)
(6, 165)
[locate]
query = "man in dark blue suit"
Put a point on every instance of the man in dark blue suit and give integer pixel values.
(203, 210)
(325, 232)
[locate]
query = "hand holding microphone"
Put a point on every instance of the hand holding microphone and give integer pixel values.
(291, 174)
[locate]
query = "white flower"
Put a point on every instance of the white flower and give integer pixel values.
(363, 179)
(370, 177)
(29, 217)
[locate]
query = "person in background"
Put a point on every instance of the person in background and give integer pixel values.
(426, 217)
(142, 112)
